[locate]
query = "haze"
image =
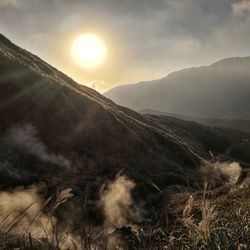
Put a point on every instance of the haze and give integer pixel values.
(146, 39)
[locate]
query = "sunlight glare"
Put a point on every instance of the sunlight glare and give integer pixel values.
(89, 50)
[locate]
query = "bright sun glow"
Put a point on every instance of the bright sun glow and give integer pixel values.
(89, 50)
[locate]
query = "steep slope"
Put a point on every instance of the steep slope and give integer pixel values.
(56, 131)
(220, 91)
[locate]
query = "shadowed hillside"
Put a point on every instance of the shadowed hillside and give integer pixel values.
(95, 136)
(65, 145)
(236, 124)
(219, 91)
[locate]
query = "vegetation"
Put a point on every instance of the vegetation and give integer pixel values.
(213, 219)
(59, 133)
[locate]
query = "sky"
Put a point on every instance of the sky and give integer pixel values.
(145, 39)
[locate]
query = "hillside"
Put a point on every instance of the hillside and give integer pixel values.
(105, 166)
(46, 108)
(63, 134)
(218, 91)
(236, 124)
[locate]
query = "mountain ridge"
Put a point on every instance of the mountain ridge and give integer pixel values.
(56, 131)
(44, 81)
(194, 91)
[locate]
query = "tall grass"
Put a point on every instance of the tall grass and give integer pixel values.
(203, 223)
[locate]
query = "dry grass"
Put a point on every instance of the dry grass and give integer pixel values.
(212, 219)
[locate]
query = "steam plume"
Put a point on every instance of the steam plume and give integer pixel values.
(26, 137)
(18, 209)
(216, 171)
(21, 213)
(117, 202)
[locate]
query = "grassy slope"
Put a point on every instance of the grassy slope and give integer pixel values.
(100, 138)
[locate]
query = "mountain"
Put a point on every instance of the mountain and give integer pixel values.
(218, 91)
(63, 134)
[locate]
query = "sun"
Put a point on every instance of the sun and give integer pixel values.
(89, 50)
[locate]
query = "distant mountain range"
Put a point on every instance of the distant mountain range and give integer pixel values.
(58, 132)
(218, 91)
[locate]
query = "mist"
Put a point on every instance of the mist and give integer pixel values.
(21, 212)
(26, 137)
(157, 37)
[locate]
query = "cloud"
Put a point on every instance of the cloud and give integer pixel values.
(97, 85)
(15, 3)
(187, 46)
(146, 39)
(241, 7)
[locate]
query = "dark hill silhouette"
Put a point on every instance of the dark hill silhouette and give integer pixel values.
(57, 131)
(218, 91)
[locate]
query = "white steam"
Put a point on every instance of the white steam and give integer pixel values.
(117, 203)
(20, 213)
(218, 170)
(26, 138)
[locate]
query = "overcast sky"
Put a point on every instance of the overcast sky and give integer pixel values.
(146, 39)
